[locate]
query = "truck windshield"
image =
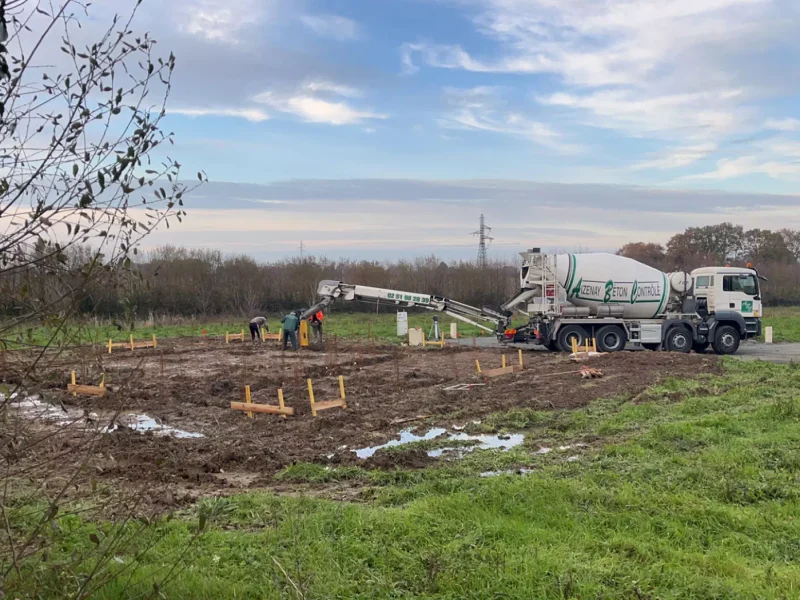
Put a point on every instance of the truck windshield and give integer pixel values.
(745, 283)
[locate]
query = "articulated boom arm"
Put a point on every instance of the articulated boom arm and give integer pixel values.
(329, 290)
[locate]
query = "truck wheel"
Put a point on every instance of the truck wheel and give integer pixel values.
(611, 338)
(651, 346)
(726, 340)
(678, 340)
(700, 348)
(567, 334)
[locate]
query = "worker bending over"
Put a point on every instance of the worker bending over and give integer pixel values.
(315, 321)
(255, 328)
(291, 323)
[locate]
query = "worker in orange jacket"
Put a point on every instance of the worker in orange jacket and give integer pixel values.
(315, 321)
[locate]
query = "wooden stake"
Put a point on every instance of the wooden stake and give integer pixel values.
(155, 343)
(131, 342)
(503, 361)
(102, 383)
(477, 366)
(311, 398)
(519, 351)
(248, 400)
(341, 391)
(280, 400)
(227, 338)
(73, 383)
(110, 344)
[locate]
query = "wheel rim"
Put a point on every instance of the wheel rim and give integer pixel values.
(727, 340)
(680, 341)
(611, 341)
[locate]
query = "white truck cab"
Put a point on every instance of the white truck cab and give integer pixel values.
(721, 289)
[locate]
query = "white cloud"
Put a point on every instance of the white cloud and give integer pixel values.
(683, 116)
(251, 114)
(678, 157)
(783, 124)
(313, 109)
(217, 21)
(689, 72)
(731, 168)
(331, 26)
(334, 88)
(482, 108)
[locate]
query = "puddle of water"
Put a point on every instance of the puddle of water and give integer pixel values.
(484, 442)
(406, 437)
(31, 407)
(144, 423)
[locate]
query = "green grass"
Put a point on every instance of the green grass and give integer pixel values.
(691, 492)
(362, 326)
(785, 323)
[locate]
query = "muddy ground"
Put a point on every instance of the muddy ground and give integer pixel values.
(189, 384)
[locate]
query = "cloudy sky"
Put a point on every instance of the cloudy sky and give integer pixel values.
(384, 128)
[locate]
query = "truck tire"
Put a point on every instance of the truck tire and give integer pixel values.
(726, 340)
(651, 346)
(569, 332)
(678, 340)
(611, 338)
(700, 348)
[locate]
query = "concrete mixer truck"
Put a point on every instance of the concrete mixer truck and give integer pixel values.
(615, 300)
(620, 301)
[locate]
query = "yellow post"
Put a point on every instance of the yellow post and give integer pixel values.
(341, 390)
(155, 343)
(311, 398)
(227, 338)
(280, 400)
(131, 342)
(519, 351)
(242, 332)
(102, 380)
(109, 346)
(73, 383)
(264, 338)
(248, 399)
(442, 339)
(477, 366)
(280, 335)
(423, 339)
(503, 363)
(304, 333)
(574, 346)
(594, 344)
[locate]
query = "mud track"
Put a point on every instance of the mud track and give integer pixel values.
(190, 383)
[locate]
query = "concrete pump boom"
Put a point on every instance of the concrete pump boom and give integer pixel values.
(329, 290)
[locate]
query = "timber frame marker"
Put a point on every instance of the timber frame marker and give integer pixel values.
(326, 404)
(250, 407)
(503, 370)
(90, 390)
(132, 344)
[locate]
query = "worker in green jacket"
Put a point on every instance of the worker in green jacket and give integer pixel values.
(291, 323)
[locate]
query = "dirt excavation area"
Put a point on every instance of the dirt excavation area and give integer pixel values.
(166, 424)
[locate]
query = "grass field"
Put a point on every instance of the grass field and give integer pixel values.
(691, 491)
(785, 322)
(362, 326)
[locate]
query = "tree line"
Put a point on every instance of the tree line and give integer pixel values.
(774, 254)
(205, 283)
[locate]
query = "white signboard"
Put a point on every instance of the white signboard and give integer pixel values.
(402, 323)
